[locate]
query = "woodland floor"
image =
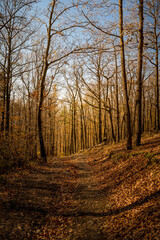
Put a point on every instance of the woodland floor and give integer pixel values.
(102, 193)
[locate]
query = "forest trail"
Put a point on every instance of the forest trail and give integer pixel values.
(91, 203)
(34, 200)
(103, 193)
(39, 208)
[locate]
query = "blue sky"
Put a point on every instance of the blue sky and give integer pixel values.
(43, 3)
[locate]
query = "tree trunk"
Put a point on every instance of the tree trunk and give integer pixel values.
(138, 119)
(111, 121)
(72, 131)
(124, 77)
(99, 106)
(3, 106)
(8, 87)
(157, 123)
(74, 126)
(45, 68)
(83, 129)
(117, 100)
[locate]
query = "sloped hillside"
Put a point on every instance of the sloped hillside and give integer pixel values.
(131, 180)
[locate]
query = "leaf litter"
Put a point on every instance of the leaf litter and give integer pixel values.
(103, 193)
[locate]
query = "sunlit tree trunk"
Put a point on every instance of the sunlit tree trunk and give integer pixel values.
(124, 77)
(117, 99)
(99, 108)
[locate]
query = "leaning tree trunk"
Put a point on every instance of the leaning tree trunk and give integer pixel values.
(124, 77)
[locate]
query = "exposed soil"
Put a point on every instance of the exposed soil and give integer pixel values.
(102, 193)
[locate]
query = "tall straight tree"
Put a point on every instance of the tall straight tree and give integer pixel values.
(117, 97)
(124, 76)
(156, 35)
(44, 72)
(139, 78)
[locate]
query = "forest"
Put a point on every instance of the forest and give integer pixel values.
(79, 119)
(76, 75)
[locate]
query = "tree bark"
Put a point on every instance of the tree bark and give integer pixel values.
(124, 77)
(3, 105)
(99, 103)
(138, 119)
(8, 87)
(117, 99)
(42, 88)
(111, 121)
(157, 123)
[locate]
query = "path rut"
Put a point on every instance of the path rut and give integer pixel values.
(91, 201)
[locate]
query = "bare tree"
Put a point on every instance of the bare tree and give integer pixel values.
(49, 60)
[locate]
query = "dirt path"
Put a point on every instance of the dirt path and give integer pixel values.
(90, 202)
(56, 201)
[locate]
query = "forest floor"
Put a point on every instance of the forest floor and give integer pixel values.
(102, 193)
